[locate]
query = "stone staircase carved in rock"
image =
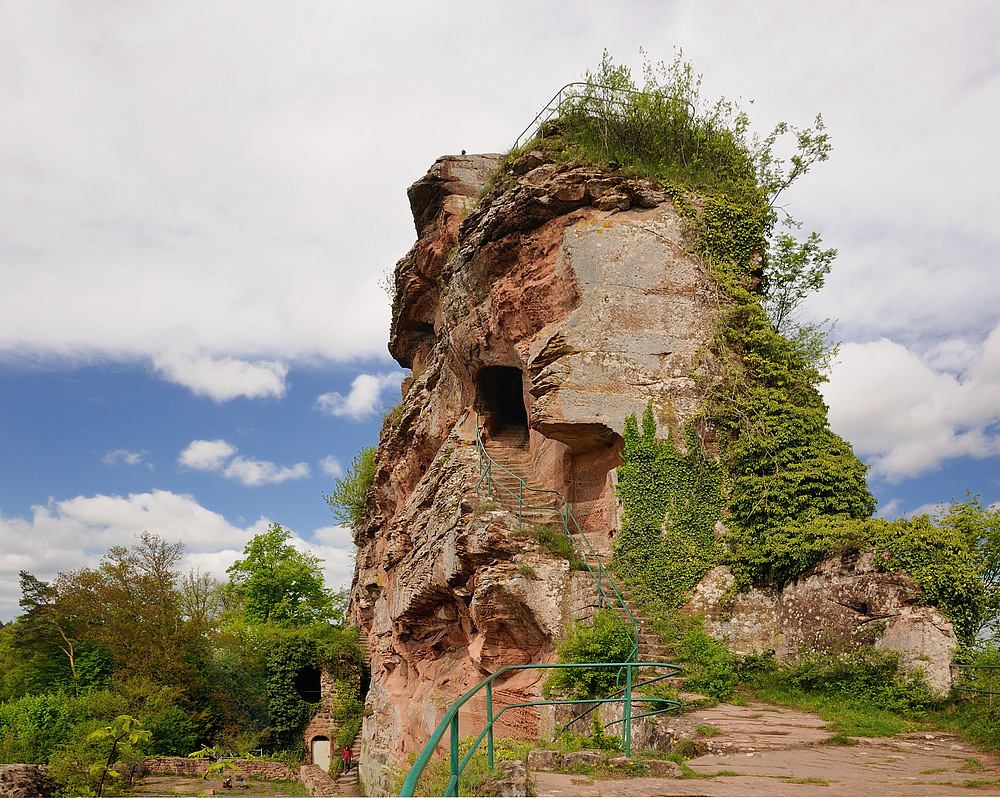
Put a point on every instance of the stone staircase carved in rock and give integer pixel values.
(509, 449)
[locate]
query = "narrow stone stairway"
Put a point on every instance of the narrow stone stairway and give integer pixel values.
(509, 449)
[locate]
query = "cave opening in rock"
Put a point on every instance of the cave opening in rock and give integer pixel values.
(500, 395)
(307, 684)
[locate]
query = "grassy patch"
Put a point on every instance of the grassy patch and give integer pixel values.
(846, 714)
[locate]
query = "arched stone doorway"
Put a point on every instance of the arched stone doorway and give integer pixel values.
(500, 400)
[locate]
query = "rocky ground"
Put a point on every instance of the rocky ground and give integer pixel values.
(764, 750)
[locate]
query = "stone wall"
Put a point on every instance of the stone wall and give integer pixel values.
(842, 603)
(317, 781)
(25, 781)
(185, 766)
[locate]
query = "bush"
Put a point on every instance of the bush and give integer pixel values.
(607, 640)
(870, 675)
(347, 500)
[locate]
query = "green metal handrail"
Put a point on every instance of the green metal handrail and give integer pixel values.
(976, 667)
(486, 465)
(450, 719)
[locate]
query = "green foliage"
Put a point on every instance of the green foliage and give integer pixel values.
(347, 713)
(289, 712)
(557, 542)
(710, 667)
(868, 674)
(671, 500)
(666, 130)
(32, 726)
(942, 560)
(608, 639)
(476, 777)
(795, 270)
(278, 584)
(347, 501)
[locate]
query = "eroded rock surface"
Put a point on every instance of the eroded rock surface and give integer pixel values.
(562, 302)
(841, 603)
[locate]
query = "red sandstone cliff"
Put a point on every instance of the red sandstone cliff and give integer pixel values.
(560, 303)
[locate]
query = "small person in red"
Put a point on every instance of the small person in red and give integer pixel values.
(346, 759)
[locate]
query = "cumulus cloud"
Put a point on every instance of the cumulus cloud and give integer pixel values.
(222, 379)
(331, 467)
(206, 455)
(261, 472)
(909, 414)
(217, 456)
(115, 456)
(362, 400)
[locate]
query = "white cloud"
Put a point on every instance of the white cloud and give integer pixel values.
(115, 456)
(335, 545)
(224, 378)
(362, 401)
(908, 417)
(331, 467)
(75, 533)
(260, 472)
(215, 456)
(206, 455)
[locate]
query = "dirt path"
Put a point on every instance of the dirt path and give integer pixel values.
(776, 751)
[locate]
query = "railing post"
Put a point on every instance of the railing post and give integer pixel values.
(489, 721)
(453, 783)
(628, 710)
(520, 501)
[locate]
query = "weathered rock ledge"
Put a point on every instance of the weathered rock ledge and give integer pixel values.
(841, 603)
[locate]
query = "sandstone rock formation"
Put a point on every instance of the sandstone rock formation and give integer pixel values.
(545, 313)
(564, 301)
(25, 781)
(841, 603)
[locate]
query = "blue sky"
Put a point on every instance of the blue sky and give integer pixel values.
(200, 201)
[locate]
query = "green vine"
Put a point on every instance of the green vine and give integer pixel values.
(672, 500)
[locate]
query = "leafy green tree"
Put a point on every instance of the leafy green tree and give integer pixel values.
(278, 584)
(125, 732)
(46, 624)
(130, 604)
(347, 501)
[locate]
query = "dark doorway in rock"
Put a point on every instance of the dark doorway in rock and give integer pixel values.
(307, 685)
(500, 395)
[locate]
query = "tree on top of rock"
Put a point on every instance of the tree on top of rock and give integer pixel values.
(278, 584)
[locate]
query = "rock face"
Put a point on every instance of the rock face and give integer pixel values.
(563, 302)
(25, 781)
(841, 603)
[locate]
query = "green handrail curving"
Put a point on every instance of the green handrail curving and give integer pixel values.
(450, 719)
(486, 466)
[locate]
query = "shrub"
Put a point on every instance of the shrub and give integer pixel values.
(607, 640)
